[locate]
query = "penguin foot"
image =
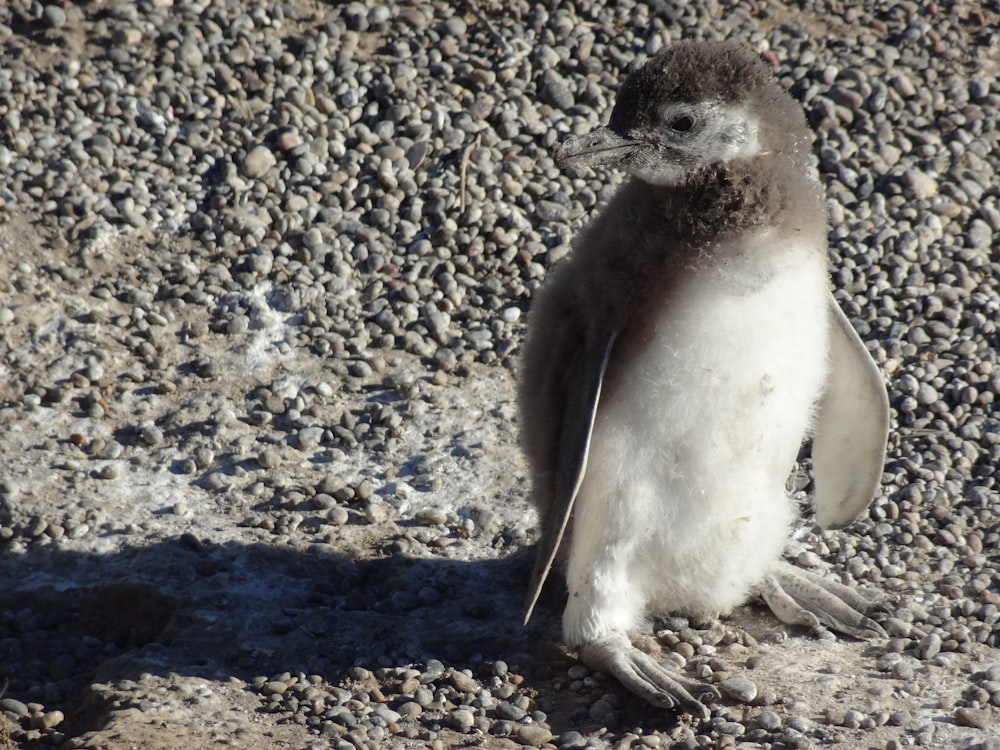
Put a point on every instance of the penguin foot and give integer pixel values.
(798, 597)
(615, 655)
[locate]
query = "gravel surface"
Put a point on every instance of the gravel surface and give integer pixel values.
(264, 271)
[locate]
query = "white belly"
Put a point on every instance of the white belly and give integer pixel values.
(683, 505)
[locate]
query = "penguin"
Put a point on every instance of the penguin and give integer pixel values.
(677, 359)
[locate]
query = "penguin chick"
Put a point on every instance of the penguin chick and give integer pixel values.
(676, 361)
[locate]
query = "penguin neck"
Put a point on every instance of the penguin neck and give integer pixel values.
(726, 199)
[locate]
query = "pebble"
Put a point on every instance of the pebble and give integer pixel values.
(54, 16)
(258, 162)
(929, 646)
(768, 720)
(739, 688)
(270, 458)
(14, 706)
(464, 683)
(462, 719)
(50, 720)
(533, 735)
(973, 717)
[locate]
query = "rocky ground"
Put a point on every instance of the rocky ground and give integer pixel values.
(264, 270)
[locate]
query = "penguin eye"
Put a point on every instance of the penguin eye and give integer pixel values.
(681, 123)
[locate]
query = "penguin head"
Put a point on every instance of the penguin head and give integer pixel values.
(692, 106)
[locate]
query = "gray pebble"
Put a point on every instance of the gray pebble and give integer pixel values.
(768, 720)
(739, 688)
(338, 516)
(900, 718)
(14, 706)
(109, 471)
(269, 458)
(309, 438)
(258, 161)
(464, 683)
(973, 717)
(54, 16)
(430, 517)
(462, 719)
(323, 501)
(189, 54)
(929, 646)
(572, 740)
(922, 185)
(903, 670)
(150, 433)
(410, 710)
(533, 735)
(509, 711)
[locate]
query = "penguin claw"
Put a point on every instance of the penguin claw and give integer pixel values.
(798, 597)
(646, 677)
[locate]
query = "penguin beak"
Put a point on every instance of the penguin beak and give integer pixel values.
(601, 147)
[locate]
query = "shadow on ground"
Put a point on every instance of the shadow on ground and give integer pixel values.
(230, 610)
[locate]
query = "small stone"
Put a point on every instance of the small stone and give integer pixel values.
(416, 153)
(929, 646)
(410, 709)
(274, 687)
(462, 719)
(109, 471)
(151, 434)
(507, 710)
(768, 720)
(14, 706)
(903, 670)
(808, 559)
(900, 718)
(976, 718)
(54, 16)
(270, 458)
(853, 719)
(731, 728)
(338, 516)
(430, 517)
(433, 670)
(980, 235)
(556, 93)
(128, 37)
(897, 628)
(360, 369)
(309, 438)
(288, 139)
(572, 740)
(739, 688)
(533, 735)
(50, 719)
(323, 501)
(364, 490)
(922, 186)
(258, 161)
(463, 683)
(190, 54)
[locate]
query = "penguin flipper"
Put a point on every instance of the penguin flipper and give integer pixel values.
(852, 426)
(583, 391)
